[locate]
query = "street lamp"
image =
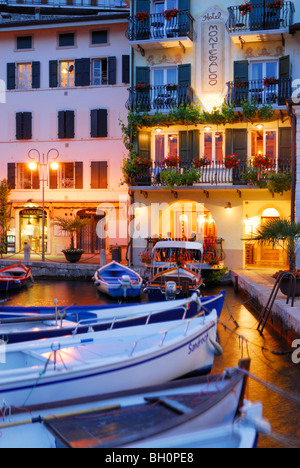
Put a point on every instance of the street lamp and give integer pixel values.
(43, 164)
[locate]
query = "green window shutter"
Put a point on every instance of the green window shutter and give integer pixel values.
(185, 74)
(239, 144)
(184, 5)
(142, 75)
(143, 5)
(285, 90)
(188, 146)
(144, 145)
(285, 147)
(241, 70)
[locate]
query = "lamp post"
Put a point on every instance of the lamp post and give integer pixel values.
(43, 163)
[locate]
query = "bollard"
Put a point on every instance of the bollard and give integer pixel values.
(102, 258)
(26, 253)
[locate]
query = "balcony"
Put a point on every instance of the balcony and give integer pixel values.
(261, 24)
(64, 6)
(159, 98)
(275, 92)
(157, 32)
(215, 174)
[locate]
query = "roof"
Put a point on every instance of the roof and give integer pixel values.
(178, 245)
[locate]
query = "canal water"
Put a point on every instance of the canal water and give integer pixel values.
(271, 359)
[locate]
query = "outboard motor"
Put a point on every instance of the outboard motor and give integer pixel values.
(171, 290)
(126, 284)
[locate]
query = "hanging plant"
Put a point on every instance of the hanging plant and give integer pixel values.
(231, 161)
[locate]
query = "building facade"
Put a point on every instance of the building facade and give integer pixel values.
(212, 112)
(65, 76)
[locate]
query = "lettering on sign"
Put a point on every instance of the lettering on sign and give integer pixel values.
(212, 49)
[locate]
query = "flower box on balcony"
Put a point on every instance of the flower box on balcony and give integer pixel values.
(275, 6)
(169, 14)
(142, 16)
(142, 86)
(201, 162)
(231, 161)
(246, 8)
(172, 161)
(171, 87)
(270, 82)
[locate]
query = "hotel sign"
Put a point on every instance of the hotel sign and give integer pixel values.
(213, 51)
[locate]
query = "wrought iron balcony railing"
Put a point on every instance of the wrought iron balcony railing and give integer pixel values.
(261, 18)
(164, 97)
(156, 26)
(216, 173)
(271, 91)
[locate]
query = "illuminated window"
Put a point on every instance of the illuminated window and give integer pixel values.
(214, 146)
(66, 73)
(24, 76)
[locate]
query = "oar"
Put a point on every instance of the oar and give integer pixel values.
(49, 418)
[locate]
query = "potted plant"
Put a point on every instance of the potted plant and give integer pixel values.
(270, 81)
(172, 161)
(276, 5)
(73, 226)
(171, 87)
(169, 14)
(141, 86)
(145, 257)
(142, 16)
(262, 162)
(201, 162)
(283, 233)
(136, 169)
(231, 161)
(245, 8)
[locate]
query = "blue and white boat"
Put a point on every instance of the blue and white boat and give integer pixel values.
(48, 371)
(20, 324)
(118, 281)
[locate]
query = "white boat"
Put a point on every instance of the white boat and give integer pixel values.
(118, 280)
(107, 361)
(174, 413)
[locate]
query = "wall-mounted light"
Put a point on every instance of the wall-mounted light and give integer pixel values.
(259, 126)
(158, 130)
(228, 207)
(207, 129)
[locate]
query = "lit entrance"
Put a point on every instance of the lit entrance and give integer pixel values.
(31, 229)
(89, 241)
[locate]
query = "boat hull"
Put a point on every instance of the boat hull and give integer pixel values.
(154, 414)
(118, 281)
(54, 374)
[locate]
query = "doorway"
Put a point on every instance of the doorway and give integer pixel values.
(31, 229)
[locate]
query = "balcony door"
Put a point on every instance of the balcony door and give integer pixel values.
(161, 27)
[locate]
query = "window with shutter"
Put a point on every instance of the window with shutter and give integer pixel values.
(66, 40)
(66, 124)
(36, 72)
(11, 175)
(24, 42)
(82, 72)
(99, 175)
(99, 37)
(125, 68)
(23, 125)
(99, 123)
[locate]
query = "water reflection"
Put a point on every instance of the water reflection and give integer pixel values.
(278, 370)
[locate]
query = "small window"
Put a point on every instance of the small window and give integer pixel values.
(24, 42)
(100, 75)
(99, 37)
(66, 40)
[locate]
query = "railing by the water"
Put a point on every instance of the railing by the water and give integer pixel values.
(261, 17)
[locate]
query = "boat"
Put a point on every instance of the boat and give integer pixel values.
(118, 281)
(27, 324)
(175, 270)
(14, 277)
(83, 365)
(141, 416)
